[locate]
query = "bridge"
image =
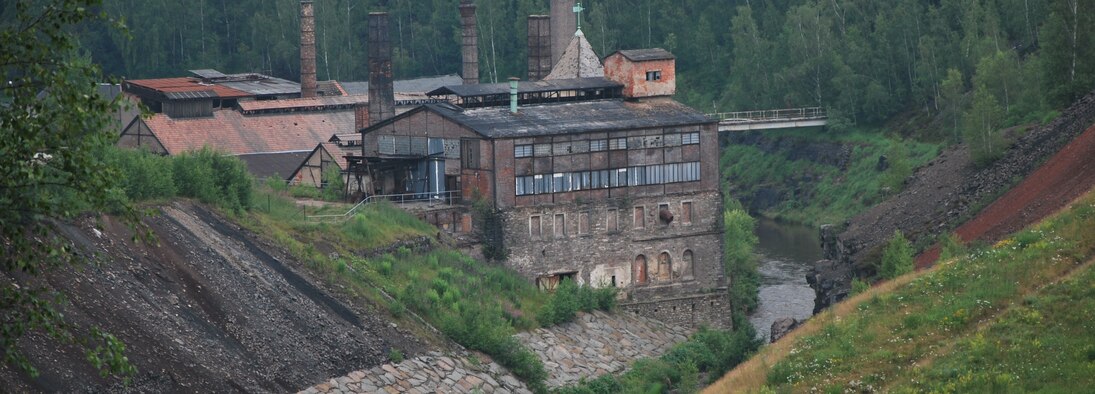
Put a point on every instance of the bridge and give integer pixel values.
(771, 119)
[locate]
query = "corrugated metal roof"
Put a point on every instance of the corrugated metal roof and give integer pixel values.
(641, 55)
(186, 84)
(568, 118)
(316, 103)
(417, 85)
(208, 73)
(191, 95)
(232, 132)
(485, 89)
(262, 85)
(278, 164)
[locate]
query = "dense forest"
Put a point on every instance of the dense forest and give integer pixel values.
(981, 64)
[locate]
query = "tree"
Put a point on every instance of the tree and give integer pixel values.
(897, 258)
(53, 126)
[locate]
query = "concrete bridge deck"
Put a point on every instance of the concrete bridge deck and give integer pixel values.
(771, 119)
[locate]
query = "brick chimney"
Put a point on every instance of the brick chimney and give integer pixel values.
(381, 91)
(539, 47)
(307, 49)
(470, 45)
(563, 26)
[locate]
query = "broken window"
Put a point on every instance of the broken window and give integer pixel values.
(542, 150)
(560, 225)
(665, 216)
(583, 223)
(534, 226)
(470, 152)
(665, 267)
(655, 75)
(687, 269)
(640, 217)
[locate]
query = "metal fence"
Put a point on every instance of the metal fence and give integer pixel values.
(446, 198)
(770, 115)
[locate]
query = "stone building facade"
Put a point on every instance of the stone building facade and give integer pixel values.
(601, 189)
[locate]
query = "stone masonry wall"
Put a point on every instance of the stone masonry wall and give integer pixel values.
(605, 243)
(711, 308)
(433, 373)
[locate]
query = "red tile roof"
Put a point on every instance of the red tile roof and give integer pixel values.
(231, 132)
(339, 153)
(187, 84)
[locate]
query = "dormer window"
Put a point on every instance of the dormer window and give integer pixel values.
(655, 75)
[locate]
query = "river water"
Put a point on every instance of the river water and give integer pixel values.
(786, 253)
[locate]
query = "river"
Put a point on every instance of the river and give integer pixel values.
(786, 253)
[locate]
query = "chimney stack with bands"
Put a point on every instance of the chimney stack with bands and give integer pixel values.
(539, 47)
(470, 46)
(381, 91)
(307, 49)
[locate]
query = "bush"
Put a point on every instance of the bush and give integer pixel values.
(490, 229)
(562, 306)
(606, 298)
(395, 356)
(951, 247)
(205, 175)
(897, 258)
(859, 286)
(740, 262)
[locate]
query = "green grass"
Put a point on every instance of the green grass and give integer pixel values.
(986, 322)
(820, 193)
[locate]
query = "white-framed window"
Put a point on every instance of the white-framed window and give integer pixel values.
(690, 138)
(654, 75)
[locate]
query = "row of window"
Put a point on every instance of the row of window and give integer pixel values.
(612, 220)
(563, 182)
(585, 146)
(403, 145)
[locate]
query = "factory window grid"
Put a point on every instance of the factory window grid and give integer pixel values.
(522, 151)
(563, 182)
(690, 138)
(617, 144)
(598, 145)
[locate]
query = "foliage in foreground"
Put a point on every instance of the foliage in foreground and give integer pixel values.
(569, 298)
(708, 352)
(984, 322)
(53, 124)
(897, 257)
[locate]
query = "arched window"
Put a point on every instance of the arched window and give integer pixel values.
(665, 266)
(686, 268)
(638, 270)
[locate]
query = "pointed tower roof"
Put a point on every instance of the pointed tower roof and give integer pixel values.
(578, 61)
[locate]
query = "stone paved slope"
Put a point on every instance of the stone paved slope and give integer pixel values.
(598, 343)
(431, 373)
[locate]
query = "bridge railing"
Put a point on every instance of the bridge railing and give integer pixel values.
(770, 115)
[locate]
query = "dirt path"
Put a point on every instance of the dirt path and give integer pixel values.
(1064, 177)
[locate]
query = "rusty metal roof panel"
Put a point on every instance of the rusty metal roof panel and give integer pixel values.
(642, 55)
(208, 73)
(261, 85)
(234, 133)
(315, 103)
(572, 118)
(486, 89)
(185, 84)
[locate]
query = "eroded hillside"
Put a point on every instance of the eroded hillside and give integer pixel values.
(208, 308)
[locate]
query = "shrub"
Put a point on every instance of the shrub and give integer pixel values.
(395, 356)
(951, 247)
(859, 286)
(897, 258)
(396, 308)
(606, 298)
(562, 306)
(205, 175)
(739, 260)
(334, 184)
(490, 229)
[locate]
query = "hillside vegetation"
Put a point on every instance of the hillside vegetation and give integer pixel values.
(1011, 317)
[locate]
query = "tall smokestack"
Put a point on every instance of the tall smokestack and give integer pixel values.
(539, 47)
(470, 45)
(563, 25)
(381, 91)
(307, 49)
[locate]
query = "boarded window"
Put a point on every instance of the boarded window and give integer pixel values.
(583, 223)
(560, 225)
(638, 270)
(687, 269)
(612, 223)
(686, 212)
(470, 154)
(665, 267)
(640, 217)
(534, 230)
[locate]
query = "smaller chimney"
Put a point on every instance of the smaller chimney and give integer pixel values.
(470, 43)
(361, 116)
(513, 94)
(307, 49)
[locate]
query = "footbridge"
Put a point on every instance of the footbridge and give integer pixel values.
(771, 119)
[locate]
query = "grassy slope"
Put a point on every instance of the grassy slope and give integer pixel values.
(825, 193)
(1017, 316)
